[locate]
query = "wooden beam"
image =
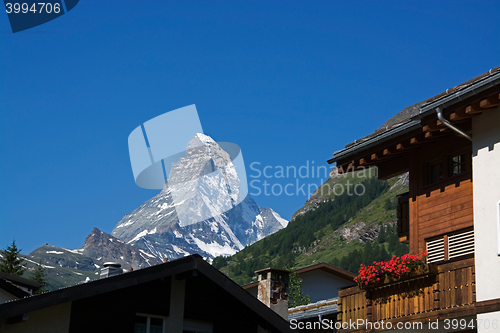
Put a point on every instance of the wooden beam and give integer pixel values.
(473, 108)
(431, 126)
(363, 161)
(419, 140)
(341, 169)
(375, 156)
(490, 101)
(431, 135)
(388, 151)
(459, 114)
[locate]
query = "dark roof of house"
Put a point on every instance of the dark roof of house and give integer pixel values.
(409, 118)
(186, 266)
(20, 281)
(327, 268)
(13, 283)
(321, 266)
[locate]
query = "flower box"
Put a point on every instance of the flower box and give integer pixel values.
(426, 269)
(395, 270)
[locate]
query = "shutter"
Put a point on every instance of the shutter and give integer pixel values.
(461, 244)
(435, 250)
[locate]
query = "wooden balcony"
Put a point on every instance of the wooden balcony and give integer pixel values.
(449, 292)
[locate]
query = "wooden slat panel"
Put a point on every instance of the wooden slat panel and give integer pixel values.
(453, 286)
(436, 291)
(470, 282)
(450, 193)
(348, 307)
(446, 287)
(460, 222)
(454, 202)
(392, 313)
(421, 296)
(448, 211)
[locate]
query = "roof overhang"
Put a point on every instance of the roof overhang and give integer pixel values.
(374, 141)
(446, 100)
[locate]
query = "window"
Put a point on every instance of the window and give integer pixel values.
(145, 323)
(149, 324)
(434, 172)
(453, 165)
(450, 246)
(435, 250)
(459, 163)
(461, 244)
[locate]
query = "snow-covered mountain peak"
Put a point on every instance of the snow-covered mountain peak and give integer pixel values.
(200, 210)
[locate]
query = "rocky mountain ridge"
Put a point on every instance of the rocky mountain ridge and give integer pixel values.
(66, 267)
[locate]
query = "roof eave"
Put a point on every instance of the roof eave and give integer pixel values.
(456, 97)
(376, 140)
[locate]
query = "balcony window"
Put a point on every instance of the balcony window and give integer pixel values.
(450, 246)
(461, 244)
(435, 250)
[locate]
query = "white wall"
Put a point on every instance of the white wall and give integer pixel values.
(486, 187)
(320, 285)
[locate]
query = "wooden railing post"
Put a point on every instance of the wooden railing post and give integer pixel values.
(435, 288)
(368, 306)
(339, 309)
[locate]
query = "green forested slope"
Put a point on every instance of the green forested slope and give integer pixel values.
(344, 230)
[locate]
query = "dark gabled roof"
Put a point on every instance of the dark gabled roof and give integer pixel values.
(409, 119)
(19, 281)
(327, 268)
(12, 289)
(114, 283)
(13, 284)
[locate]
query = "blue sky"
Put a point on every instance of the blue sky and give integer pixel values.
(290, 82)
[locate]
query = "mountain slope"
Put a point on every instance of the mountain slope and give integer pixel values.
(329, 228)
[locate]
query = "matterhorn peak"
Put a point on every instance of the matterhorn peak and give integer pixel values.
(204, 207)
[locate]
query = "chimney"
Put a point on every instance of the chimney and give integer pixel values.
(111, 269)
(273, 289)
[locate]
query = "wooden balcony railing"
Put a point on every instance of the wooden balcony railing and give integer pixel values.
(453, 285)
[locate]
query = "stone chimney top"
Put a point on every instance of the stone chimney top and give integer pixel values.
(273, 289)
(111, 269)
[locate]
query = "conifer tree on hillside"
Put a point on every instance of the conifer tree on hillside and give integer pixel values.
(295, 296)
(39, 276)
(10, 262)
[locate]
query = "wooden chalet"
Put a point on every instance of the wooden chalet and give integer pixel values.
(450, 146)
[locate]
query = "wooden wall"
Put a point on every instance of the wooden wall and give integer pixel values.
(442, 207)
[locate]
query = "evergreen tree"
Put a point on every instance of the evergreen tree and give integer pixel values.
(39, 276)
(382, 234)
(10, 262)
(295, 296)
